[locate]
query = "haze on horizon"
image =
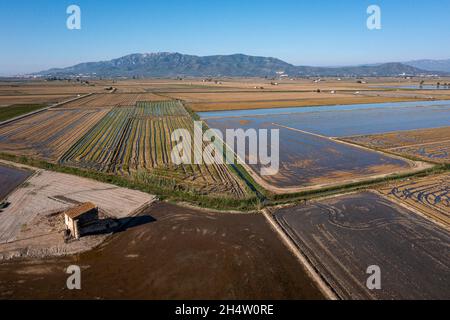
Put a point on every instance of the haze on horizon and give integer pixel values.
(323, 33)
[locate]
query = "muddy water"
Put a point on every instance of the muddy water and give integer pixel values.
(175, 253)
(10, 179)
(344, 236)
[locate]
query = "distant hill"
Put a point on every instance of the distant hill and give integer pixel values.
(431, 65)
(237, 65)
(381, 70)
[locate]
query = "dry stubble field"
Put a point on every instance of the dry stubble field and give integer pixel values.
(429, 196)
(428, 144)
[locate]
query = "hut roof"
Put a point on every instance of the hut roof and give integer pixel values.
(79, 210)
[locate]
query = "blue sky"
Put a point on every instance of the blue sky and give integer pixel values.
(34, 36)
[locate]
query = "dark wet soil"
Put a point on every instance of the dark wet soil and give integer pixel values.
(343, 236)
(179, 253)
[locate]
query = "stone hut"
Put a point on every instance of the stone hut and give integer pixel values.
(80, 216)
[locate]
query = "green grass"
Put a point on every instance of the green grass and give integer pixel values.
(171, 191)
(16, 110)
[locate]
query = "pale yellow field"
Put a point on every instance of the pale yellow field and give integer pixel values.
(429, 196)
(427, 144)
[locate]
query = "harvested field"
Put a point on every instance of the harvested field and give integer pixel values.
(11, 178)
(42, 92)
(48, 134)
(183, 254)
(226, 97)
(109, 100)
(265, 100)
(48, 193)
(427, 144)
(436, 152)
(40, 87)
(429, 196)
(343, 236)
(136, 142)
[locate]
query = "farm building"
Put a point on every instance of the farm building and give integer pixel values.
(78, 217)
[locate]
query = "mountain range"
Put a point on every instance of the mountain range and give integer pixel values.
(433, 65)
(166, 64)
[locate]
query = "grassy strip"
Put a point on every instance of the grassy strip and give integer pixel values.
(165, 189)
(168, 189)
(192, 113)
(16, 110)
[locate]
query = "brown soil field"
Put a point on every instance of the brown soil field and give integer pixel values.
(50, 133)
(252, 96)
(427, 144)
(183, 254)
(429, 196)
(308, 102)
(342, 236)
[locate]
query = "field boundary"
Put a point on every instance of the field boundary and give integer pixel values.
(312, 272)
(43, 109)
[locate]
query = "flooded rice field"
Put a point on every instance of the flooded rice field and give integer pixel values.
(11, 178)
(345, 235)
(311, 160)
(171, 252)
(348, 120)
